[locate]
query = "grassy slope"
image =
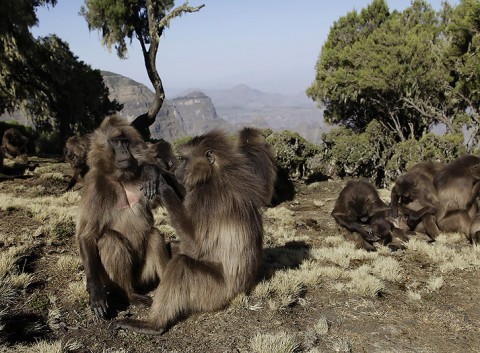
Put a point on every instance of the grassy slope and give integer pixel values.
(316, 292)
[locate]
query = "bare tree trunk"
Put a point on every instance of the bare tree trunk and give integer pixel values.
(144, 121)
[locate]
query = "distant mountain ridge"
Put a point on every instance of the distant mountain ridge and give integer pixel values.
(197, 111)
(242, 105)
(183, 116)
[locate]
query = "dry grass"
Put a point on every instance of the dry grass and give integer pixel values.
(57, 213)
(446, 254)
(280, 342)
(387, 268)
(435, 283)
(292, 274)
(321, 327)
(363, 283)
(51, 347)
(77, 292)
(68, 263)
(341, 345)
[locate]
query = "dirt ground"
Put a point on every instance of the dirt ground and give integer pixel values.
(445, 320)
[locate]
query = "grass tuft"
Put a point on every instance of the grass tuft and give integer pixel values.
(280, 342)
(363, 283)
(321, 327)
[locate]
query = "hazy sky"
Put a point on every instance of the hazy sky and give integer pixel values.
(271, 45)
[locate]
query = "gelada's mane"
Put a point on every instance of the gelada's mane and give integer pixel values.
(101, 156)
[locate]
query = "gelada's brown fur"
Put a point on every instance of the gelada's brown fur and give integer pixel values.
(360, 211)
(76, 151)
(220, 229)
(118, 243)
(474, 231)
(415, 197)
(457, 185)
(261, 158)
(165, 159)
(14, 144)
(163, 153)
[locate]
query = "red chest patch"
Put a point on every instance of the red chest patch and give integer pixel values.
(132, 197)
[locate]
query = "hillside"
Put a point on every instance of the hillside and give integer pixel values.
(198, 110)
(315, 292)
(242, 105)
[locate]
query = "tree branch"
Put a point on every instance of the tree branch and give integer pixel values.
(177, 12)
(429, 111)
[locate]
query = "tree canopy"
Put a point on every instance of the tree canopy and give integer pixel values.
(408, 70)
(58, 93)
(145, 20)
(17, 45)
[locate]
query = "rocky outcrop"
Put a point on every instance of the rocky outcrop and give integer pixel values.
(182, 116)
(169, 124)
(134, 96)
(198, 113)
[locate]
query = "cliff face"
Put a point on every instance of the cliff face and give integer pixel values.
(169, 124)
(183, 116)
(198, 113)
(195, 112)
(134, 96)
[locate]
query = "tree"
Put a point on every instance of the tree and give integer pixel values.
(374, 60)
(17, 45)
(145, 20)
(76, 100)
(59, 94)
(463, 58)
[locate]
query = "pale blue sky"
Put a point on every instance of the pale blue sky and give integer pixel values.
(271, 45)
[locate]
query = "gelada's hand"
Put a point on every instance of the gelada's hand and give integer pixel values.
(150, 179)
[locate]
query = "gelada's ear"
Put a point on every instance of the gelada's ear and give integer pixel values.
(210, 156)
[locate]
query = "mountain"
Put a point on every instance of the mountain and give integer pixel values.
(242, 105)
(189, 115)
(197, 111)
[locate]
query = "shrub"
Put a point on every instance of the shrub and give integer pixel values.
(376, 156)
(358, 154)
(293, 152)
(442, 148)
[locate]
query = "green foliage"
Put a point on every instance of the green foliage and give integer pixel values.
(16, 47)
(464, 60)
(42, 77)
(430, 147)
(375, 155)
(49, 143)
(358, 154)
(77, 99)
(121, 20)
(373, 60)
(292, 152)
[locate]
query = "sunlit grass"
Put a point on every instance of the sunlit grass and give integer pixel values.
(342, 254)
(68, 263)
(321, 327)
(21, 280)
(365, 284)
(280, 342)
(77, 292)
(59, 346)
(413, 295)
(284, 289)
(435, 283)
(387, 268)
